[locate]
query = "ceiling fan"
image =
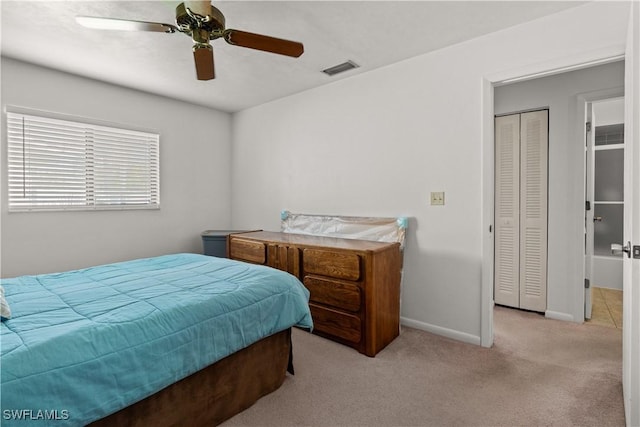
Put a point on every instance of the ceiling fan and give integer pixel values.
(203, 23)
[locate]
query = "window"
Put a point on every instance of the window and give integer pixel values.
(60, 165)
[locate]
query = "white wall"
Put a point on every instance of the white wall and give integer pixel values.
(194, 177)
(609, 112)
(566, 159)
(378, 143)
(607, 272)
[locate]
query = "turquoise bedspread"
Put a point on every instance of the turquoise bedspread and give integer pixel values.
(83, 344)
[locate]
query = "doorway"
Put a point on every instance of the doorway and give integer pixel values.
(565, 96)
(562, 94)
(631, 266)
(604, 207)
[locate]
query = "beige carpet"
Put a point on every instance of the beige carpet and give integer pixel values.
(540, 372)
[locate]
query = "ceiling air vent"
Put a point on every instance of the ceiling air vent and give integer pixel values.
(340, 68)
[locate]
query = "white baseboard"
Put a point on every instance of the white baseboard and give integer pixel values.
(439, 330)
(558, 316)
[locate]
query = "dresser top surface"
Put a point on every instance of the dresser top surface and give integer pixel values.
(324, 241)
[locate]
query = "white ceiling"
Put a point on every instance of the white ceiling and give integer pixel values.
(371, 33)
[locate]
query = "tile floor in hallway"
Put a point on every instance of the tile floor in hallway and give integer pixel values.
(606, 307)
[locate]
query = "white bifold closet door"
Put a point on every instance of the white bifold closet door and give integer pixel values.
(521, 155)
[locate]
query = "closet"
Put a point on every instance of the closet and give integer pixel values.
(521, 163)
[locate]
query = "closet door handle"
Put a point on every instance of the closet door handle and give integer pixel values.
(597, 218)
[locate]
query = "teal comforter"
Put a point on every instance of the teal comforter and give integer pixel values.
(83, 344)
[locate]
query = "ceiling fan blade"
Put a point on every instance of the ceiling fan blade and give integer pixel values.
(124, 24)
(264, 43)
(203, 56)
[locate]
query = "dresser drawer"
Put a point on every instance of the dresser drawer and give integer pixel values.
(341, 265)
(246, 250)
(336, 293)
(333, 322)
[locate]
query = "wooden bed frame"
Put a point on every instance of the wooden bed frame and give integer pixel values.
(217, 392)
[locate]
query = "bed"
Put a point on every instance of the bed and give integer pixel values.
(175, 339)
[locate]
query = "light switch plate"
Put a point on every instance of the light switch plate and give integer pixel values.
(437, 198)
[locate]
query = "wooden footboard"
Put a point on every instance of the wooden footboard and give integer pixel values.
(215, 393)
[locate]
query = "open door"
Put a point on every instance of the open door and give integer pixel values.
(588, 214)
(631, 231)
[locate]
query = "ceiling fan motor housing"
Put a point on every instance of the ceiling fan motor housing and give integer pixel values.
(200, 28)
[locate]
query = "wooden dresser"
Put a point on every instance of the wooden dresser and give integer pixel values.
(354, 284)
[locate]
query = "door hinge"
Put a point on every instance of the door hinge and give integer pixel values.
(588, 126)
(587, 205)
(587, 284)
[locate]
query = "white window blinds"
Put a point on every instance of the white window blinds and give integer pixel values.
(58, 165)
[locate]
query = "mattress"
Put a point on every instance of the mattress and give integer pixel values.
(83, 344)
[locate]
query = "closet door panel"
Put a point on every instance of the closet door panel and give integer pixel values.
(507, 212)
(533, 210)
